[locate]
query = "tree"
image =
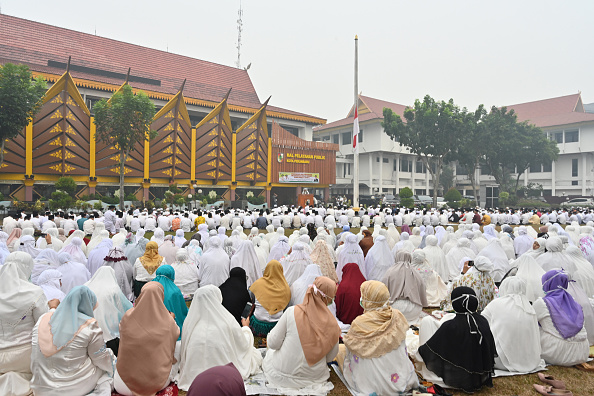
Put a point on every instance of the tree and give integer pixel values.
(453, 197)
(447, 178)
(513, 147)
(433, 131)
(406, 199)
(66, 184)
(473, 147)
(20, 100)
(123, 122)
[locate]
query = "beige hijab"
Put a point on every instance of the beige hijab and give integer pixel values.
(317, 327)
(151, 260)
(321, 256)
(147, 342)
(380, 329)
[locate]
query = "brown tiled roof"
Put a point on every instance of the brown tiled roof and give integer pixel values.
(376, 111)
(553, 112)
(34, 44)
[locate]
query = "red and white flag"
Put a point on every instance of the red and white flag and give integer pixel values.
(356, 131)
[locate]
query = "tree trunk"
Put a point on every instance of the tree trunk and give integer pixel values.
(123, 158)
(473, 181)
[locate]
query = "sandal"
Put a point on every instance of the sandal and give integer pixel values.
(550, 391)
(584, 367)
(547, 379)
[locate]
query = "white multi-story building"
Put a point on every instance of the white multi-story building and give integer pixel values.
(386, 166)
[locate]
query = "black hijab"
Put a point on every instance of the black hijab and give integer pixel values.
(235, 292)
(311, 231)
(462, 350)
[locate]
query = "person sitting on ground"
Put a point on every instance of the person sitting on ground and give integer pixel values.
(218, 381)
(235, 293)
(514, 325)
(211, 332)
(174, 299)
(563, 337)
(348, 295)
(303, 341)
(273, 295)
(460, 354)
(148, 335)
(374, 357)
(69, 355)
(146, 266)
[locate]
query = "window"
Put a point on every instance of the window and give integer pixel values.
(572, 136)
(395, 167)
(405, 165)
(420, 191)
(317, 139)
(535, 168)
(385, 160)
(547, 193)
(460, 170)
(574, 167)
(420, 167)
(574, 182)
(376, 159)
(335, 139)
(360, 136)
(346, 170)
(547, 167)
(559, 137)
(347, 138)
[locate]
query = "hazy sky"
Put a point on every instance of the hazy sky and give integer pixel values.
(495, 53)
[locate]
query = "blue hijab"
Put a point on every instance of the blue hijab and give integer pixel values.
(74, 310)
(174, 299)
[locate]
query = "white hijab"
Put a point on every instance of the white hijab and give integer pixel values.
(436, 258)
(378, 260)
(455, 255)
(95, 241)
(404, 244)
(494, 252)
(555, 257)
(75, 251)
(246, 258)
(17, 294)
(295, 263)
(179, 238)
(209, 326)
(514, 325)
(300, 286)
(49, 281)
(351, 252)
(584, 274)
(97, 255)
(279, 249)
(111, 302)
(215, 265)
(73, 273)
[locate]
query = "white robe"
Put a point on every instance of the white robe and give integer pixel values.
(245, 257)
(285, 366)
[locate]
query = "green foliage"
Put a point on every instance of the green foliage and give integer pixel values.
(60, 200)
(97, 206)
(256, 200)
(89, 197)
(513, 145)
(433, 131)
(532, 204)
(20, 100)
(447, 179)
(110, 200)
(66, 184)
(150, 205)
(123, 122)
(406, 199)
(503, 198)
(1, 197)
(452, 195)
(531, 190)
(130, 197)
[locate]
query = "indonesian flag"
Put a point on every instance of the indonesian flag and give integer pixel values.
(356, 131)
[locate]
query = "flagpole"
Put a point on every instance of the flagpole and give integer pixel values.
(356, 153)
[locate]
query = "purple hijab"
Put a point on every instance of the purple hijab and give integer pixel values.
(406, 228)
(566, 313)
(218, 381)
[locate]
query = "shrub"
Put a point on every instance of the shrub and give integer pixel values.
(256, 200)
(60, 200)
(110, 200)
(66, 184)
(97, 206)
(406, 199)
(453, 197)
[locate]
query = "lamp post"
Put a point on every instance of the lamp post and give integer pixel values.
(189, 196)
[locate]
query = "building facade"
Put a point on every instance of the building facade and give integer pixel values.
(386, 166)
(213, 130)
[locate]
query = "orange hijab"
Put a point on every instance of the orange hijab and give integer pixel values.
(151, 260)
(272, 289)
(147, 342)
(317, 327)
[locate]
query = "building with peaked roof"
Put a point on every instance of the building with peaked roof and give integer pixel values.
(213, 130)
(386, 166)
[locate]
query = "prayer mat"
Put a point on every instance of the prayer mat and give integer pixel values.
(170, 390)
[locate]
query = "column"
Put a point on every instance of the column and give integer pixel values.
(370, 173)
(427, 182)
(92, 184)
(381, 172)
(584, 173)
(397, 175)
(299, 189)
(145, 193)
(232, 194)
(29, 189)
(268, 201)
(553, 176)
(327, 194)
(412, 173)
(526, 175)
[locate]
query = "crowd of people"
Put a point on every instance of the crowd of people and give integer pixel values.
(90, 305)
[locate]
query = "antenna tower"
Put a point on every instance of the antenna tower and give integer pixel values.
(239, 30)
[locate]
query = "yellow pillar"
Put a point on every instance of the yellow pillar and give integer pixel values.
(269, 174)
(92, 148)
(147, 154)
(193, 156)
(29, 149)
(233, 156)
